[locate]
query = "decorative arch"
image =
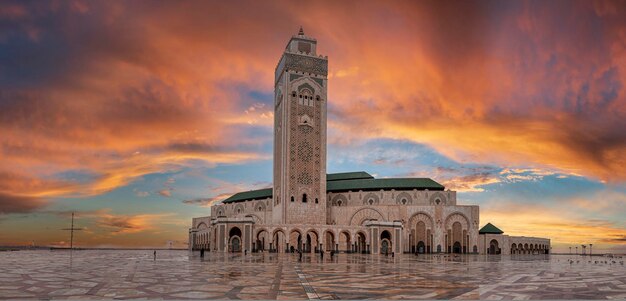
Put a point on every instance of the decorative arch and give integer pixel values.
(437, 196)
(305, 119)
(311, 240)
(457, 217)
(421, 216)
(364, 214)
(306, 83)
(255, 218)
(260, 206)
(278, 240)
(281, 230)
(404, 198)
(262, 239)
(306, 86)
(339, 200)
(371, 199)
(420, 228)
(259, 230)
(456, 227)
(239, 209)
(202, 225)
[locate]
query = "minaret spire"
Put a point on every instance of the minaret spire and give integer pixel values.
(301, 32)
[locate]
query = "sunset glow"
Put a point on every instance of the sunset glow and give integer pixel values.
(138, 116)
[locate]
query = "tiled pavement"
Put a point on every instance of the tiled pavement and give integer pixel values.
(125, 274)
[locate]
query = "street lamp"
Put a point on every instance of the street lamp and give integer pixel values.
(576, 250)
(590, 249)
(570, 250)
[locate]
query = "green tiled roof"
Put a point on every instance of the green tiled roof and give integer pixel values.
(348, 176)
(490, 229)
(250, 195)
(378, 184)
(349, 181)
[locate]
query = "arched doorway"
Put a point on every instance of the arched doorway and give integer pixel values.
(329, 240)
(385, 242)
(456, 247)
(234, 239)
(261, 238)
(420, 237)
(278, 243)
(513, 249)
(345, 244)
(295, 241)
(360, 245)
(457, 237)
(312, 242)
(421, 247)
(493, 247)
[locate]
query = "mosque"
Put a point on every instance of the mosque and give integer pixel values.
(353, 212)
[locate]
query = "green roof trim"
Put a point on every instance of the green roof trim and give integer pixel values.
(348, 176)
(259, 194)
(349, 181)
(490, 229)
(378, 184)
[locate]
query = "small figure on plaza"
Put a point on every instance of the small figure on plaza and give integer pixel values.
(154, 255)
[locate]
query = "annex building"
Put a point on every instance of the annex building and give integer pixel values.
(310, 210)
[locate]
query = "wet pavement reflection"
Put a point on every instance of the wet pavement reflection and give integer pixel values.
(126, 274)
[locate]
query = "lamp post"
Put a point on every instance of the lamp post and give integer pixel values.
(576, 250)
(590, 249)
(570, 250)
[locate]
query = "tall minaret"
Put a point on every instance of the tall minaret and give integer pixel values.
(300, 134)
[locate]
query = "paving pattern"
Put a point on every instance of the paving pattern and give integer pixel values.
(124, 274)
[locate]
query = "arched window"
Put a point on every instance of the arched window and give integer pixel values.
(403, 201)
(316, 201)
(304, 197)
(293, 94)
(339, 203)
(306, 98)
(371, 201)
(292, 199)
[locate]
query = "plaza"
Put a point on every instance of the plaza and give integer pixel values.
(124, 274)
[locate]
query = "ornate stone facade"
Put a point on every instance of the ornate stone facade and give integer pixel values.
(310, 211)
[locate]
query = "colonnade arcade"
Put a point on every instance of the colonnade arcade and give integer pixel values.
(367, 235)
(527, 248)
(309, 240)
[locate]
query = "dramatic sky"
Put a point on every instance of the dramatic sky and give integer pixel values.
(140, 115)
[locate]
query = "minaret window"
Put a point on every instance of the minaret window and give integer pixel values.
(292, 199)
(304, 198)
(306, 98)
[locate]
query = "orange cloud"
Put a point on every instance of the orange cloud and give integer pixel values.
(132, 91)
